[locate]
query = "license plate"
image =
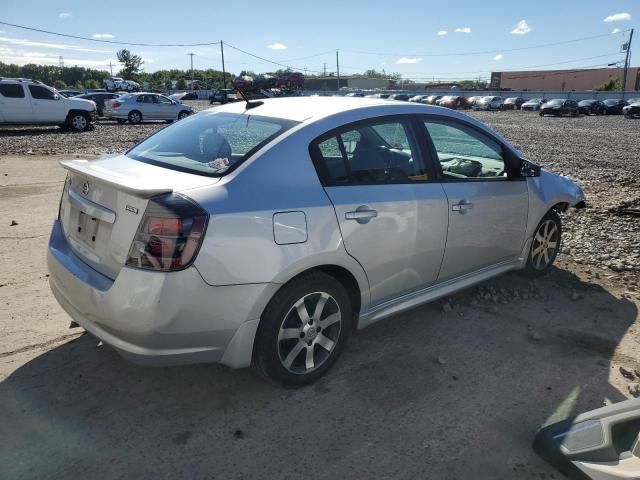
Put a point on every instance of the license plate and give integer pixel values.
(87, 230)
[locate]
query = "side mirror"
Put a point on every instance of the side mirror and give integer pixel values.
(56, 97)
(529, 169)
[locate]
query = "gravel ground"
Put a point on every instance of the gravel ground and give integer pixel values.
(600, 153)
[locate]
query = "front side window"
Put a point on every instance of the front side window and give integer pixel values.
(11, 90)
(369, 153)
(464, 153)
(209, 143)
(161, 99)
(41, 93)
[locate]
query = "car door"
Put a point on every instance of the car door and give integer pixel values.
(147, 106)
(48, 106)
(165, 107)
(15, 105)
(487, 202)
(392, 214)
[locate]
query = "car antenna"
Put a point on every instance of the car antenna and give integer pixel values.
(250, 104)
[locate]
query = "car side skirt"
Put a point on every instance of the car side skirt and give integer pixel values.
(414, 299)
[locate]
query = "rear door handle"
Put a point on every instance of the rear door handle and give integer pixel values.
(462, 207)
(362, 214)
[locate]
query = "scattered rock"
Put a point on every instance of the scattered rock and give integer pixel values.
(13, 223)
(627, 373)
(634, 389)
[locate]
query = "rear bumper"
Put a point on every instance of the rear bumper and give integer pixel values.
(156, 318)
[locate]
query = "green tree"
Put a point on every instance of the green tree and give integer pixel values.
(59, 84)
(131, 64)
(610, 85)
(181, 84)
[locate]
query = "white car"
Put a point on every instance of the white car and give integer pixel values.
(140, 107)
(489, 103)
(30, 102)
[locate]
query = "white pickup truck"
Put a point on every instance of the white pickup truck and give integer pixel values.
(30, 102)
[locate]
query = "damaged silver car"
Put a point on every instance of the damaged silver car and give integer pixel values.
(263, 233)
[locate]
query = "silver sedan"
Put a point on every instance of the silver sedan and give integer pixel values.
(264, 232)
(139, 107)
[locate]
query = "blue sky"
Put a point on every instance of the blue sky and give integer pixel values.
(415, 38)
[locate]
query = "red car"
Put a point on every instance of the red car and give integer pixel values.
(294, 80)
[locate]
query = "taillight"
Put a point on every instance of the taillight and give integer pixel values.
(115, 104)
(169, 235)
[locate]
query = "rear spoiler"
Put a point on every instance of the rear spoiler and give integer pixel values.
(128, 184)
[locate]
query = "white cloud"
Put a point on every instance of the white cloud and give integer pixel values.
(100, 36)
(615, 30)
(277, 46)
(463, 30)
(618, 17)
(406, 60)
(498, 57)
(442, 33)
(56, 46)
(65, 15)
(522, 28)
(18, 57)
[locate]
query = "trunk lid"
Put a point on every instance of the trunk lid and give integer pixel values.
(104, 202)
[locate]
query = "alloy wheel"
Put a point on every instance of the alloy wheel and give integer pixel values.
(309, 333)
(79, 122)
(545, 245)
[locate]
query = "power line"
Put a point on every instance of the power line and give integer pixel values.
(485, 52)
(266, 59)
(99, 40)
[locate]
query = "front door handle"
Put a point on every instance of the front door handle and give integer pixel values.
(462, 207)
(362, 214)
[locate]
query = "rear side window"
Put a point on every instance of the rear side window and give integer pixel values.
(41, 93)
(11, 90)
(376, 152)
(209, 143)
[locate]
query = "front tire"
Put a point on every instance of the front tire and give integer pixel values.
(303, 330)
(78, 122)
(545, 245)
(183, 114)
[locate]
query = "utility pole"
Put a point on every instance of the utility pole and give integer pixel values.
(338, 69)
(325, 69)
(627, 47)
(111, 68)
(224, 75)
(191, 54)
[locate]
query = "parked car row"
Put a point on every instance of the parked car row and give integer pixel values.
(556, 106)
(114, 84)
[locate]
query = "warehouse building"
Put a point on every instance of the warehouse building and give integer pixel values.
(564, 80)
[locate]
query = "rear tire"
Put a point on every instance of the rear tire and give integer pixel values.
(135, 117)
(545, 245)
(303, 330)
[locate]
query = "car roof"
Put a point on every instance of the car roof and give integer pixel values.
(311, 109)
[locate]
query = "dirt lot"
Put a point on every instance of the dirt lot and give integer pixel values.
(451, 390)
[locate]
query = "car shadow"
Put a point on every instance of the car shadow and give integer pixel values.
(458, 392)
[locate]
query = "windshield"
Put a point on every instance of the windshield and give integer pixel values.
(555, 101)
(209, 143)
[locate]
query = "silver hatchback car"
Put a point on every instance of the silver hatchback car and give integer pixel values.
(139, 107)
(264, 232)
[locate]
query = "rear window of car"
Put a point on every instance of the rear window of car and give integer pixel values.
(209, 143)
(11, 90)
